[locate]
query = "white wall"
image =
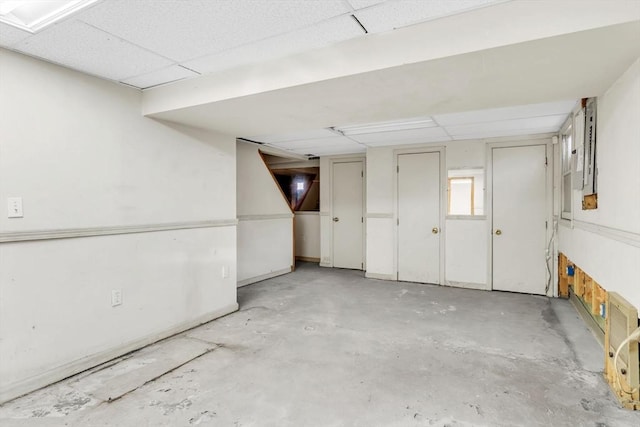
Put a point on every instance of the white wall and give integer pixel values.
(381, 223)
(308, 235)
(605, 242)
(465, 239)
(265, 221)
(466, 249)
(154, 205)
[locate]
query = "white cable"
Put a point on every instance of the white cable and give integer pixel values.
(550, 256)
(635, 335)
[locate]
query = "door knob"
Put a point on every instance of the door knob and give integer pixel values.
(498, 232)
(336, 219)
(435, 230)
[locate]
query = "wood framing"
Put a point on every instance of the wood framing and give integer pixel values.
(596, 304)
(590, 202)
(623, 376)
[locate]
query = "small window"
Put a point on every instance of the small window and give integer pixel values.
(465, 192)
(590, 173)
(566, 137)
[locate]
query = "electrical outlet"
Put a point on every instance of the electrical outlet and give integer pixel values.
(14, 207)
(116, 297)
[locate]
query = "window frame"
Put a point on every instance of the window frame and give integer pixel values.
(566, 159)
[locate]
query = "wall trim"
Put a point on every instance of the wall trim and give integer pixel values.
(72, 368)
(69, 233)
(322, 213)
(309, 213)
(264, 217)
(379, 215)
(380, 276)
(467, 285)
(627, 237)
(262, 277)
(308, 259)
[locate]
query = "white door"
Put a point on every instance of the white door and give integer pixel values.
(519, 219)
(348, 221)
(419, 217)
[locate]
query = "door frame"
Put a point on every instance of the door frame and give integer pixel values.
(531, 141)
(443, 179)
(362, 160)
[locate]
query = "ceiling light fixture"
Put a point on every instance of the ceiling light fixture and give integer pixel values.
(391, 126)
(34, 15)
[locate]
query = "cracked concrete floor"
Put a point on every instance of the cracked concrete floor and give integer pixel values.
(327, 347)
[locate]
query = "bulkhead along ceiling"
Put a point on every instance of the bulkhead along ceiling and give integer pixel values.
(327, 77)
(145, 43)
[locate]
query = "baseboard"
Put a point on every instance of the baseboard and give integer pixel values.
(262, 277)
(307, 259)
(65, 371)
(325, 264)
(379, 276)
(467, 285)
(587, 318)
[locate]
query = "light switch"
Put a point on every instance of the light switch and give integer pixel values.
(14, 207)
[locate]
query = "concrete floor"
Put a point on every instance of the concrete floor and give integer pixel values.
(326, 347)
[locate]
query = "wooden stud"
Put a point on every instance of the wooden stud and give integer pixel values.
(588, 288)
(590, 202)
(563, 282)
(598, 297)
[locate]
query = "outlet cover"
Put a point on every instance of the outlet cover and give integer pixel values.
(116, 297)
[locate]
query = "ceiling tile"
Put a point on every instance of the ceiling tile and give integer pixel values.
(361, 4)
(396, 14)
(319, 142)
(295, 136)
(498, 133)
(403, 137)
(11, 35)
(328, 151)
(205, 27)
(165, 75)
(84, 48)
(515, 126)
(495, 114)
(319, 35)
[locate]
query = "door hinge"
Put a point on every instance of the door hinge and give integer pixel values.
(361, 174)
(362, 219)
(546, 161)
(546, 224)
(398, 221)
(398, 169)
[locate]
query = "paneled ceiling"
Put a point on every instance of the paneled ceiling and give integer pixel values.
(146, 43)
(292, 74)
(497, 122)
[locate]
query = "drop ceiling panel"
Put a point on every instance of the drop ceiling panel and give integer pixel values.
(320, 142)
(328, 151)
(396, 14)
(11, 35)
(529, 125)
(496, 114)
(165, 75)
(176, 31)
(500, 133)
(319, 35)
(360, 4)
(401, 136)
(82, 47)
(294, 136)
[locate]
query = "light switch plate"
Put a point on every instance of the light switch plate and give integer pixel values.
(14, 207)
